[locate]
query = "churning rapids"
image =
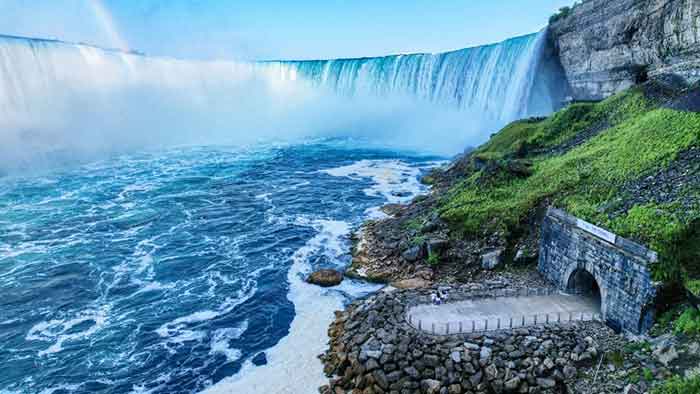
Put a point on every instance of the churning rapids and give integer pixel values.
(166, 271)
(151, 243)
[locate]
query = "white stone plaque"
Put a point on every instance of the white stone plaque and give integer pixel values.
(597, 231)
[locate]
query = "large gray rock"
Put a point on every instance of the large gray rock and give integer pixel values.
(437, 245)
(326, 278)
(606, 46)
(412, 254)
(430, 386)
(492, 260)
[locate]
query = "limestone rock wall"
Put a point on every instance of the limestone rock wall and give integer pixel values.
(606, 46)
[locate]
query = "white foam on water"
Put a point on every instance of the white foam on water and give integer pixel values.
(394, 180)
(179, 331)
(152, 286)
(220, 341)
(61, 387)
(293, 366)
(56, 330)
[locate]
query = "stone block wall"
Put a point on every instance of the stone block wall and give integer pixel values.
(619, 266)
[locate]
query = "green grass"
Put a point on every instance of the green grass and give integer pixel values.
(413, 224)
(694, 286)
(529, 134)
(641, 346)
(668, 317)
(640, 138)
(616, 358)
(418, 240)
(688, 323)
(648, 375)
(678, 385)
(433, 259)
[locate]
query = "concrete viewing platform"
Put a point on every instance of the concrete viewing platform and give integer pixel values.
(486, 314)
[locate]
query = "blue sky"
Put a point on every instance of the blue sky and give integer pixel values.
(278, 29)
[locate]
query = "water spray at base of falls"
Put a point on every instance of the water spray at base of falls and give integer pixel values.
(61, 101)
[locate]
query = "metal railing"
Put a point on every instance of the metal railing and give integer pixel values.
(502, 323)
(455, 296)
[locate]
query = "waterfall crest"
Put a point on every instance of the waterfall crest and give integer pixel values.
(500, 81)
(62, 97)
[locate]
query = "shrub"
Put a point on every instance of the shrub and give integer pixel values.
(694, 286)
(418, 240)
(648, 375)
(561, 14)
(678, 385)
(433, 259)
(616, 358)
(688, 323)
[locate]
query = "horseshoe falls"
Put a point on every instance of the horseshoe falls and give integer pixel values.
(500, 82)
(158, 216)
(59, 101)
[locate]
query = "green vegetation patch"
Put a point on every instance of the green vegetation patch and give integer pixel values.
(678, 385)
(688, 323)
(433, 259)
(694, 286)
(639, 138)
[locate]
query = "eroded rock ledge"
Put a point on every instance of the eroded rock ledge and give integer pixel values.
(606, 46)
(374, 350)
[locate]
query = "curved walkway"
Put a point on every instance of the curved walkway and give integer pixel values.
(485, 314)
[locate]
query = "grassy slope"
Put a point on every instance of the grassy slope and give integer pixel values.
(638, 137)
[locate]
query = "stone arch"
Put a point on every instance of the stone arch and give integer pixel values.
(619, 267)
(584, 280)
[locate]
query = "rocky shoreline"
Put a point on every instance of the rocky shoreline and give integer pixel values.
(373, 349)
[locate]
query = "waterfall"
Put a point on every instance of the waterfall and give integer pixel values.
(67, 99)
(498, 81)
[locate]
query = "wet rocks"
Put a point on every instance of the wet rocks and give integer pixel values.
(437, 246)
(325, 278)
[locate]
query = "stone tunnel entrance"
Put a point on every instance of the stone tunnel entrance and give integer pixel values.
(584, 284)
(611, 271)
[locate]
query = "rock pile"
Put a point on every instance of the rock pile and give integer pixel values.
(373, 350)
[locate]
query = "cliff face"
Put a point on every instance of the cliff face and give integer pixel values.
(606, 46)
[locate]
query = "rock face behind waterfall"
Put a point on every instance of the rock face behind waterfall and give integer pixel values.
(606, 46)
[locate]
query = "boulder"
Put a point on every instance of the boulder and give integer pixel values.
(430, 386)
(546, 383)
(437, 246)
(512, 384)
(325, 278)
(413, 283)
(666, 355)
(492, 260)
(412, 254)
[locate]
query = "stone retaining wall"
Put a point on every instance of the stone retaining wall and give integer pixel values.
(373, 350)
(620, 268)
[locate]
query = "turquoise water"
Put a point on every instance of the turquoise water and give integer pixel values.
(168, 271)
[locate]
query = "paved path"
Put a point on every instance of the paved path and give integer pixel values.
(484, 314)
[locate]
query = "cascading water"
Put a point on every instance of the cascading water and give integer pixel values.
(59, 99)
(498, 81)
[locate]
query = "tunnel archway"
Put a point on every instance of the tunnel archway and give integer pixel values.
(583, 283)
